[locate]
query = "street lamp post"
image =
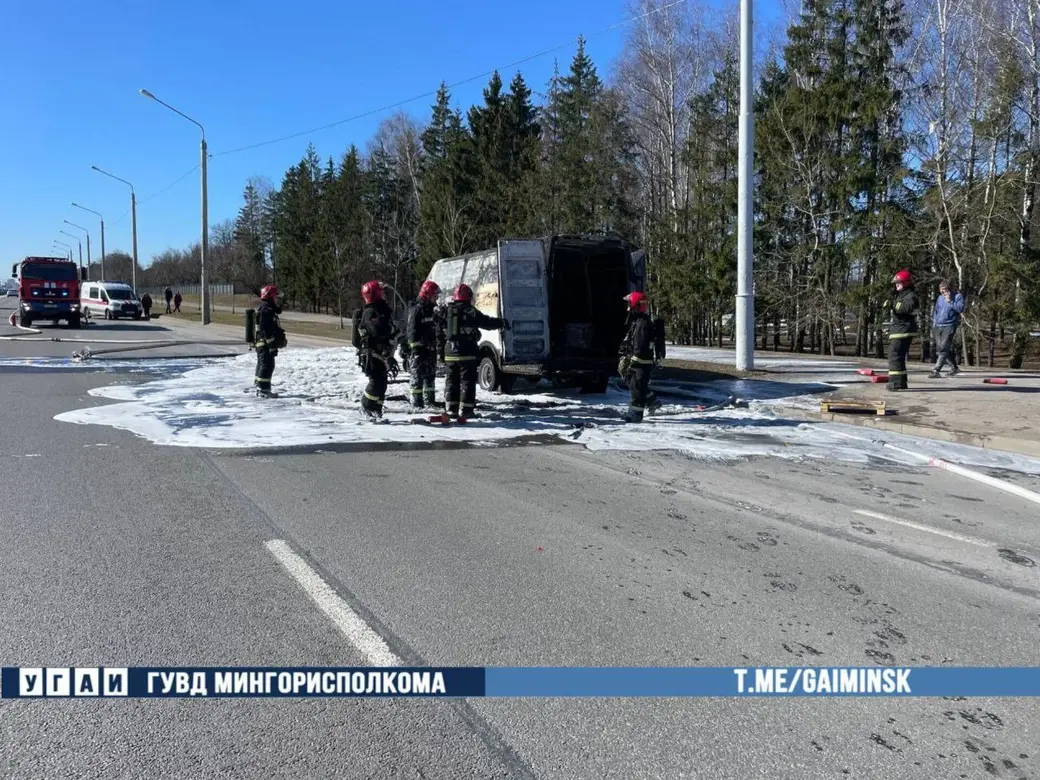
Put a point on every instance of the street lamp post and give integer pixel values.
(203, 283)
(78, 227)
(67, 247)
(133, 220)
(102, 235)
(78, 241)
(744, 327)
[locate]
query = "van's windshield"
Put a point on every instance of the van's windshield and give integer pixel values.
(119, 294)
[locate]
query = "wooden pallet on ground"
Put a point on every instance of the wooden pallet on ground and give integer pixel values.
(878, 408)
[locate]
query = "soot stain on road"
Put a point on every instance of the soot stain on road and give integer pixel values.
(1017, 558)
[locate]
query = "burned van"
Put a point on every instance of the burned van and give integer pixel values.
(563, 296)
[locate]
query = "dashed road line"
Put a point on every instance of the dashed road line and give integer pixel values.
(926, 528)
(349, 623)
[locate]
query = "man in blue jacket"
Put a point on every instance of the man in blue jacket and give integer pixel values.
(948, 309)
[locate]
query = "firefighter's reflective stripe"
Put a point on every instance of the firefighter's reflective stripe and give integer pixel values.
(896, 373)
(414, 344)
(458, 358)
(902, 335)
(643, 361)
(417, 391)
(376, 398)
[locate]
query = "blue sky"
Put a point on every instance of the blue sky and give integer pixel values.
(70, 74)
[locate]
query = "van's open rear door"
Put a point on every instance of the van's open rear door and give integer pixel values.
(637, 271)
(525, 300)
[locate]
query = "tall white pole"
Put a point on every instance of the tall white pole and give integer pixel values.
(133, 227)
(204, 287)
(744, 331)
(102, 249)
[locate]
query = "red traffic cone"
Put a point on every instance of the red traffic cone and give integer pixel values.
(879, 379)
(865, 372)
(990, 380)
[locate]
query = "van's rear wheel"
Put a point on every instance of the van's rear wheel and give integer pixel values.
(491, 378)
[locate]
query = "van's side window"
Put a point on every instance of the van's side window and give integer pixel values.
(104, 296)
(92, 293)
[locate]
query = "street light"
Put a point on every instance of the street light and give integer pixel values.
(133, 220)
(102, 235)
(203, 286)
(67, 247)
(80, 227)
(78, 241)
(744, 325)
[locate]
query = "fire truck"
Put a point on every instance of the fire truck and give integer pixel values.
(48, 289)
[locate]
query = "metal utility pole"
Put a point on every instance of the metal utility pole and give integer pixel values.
(78, 241)
(133, 223)
(78, 227)
(67, 248)
(203, 283)
(744, 325)
(102, 235)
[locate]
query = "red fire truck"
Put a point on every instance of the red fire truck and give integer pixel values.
(48, 289)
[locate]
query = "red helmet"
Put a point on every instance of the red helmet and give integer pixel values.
(637, 301)
(429, 290)
(269, 293)
(463, 293)
(902, 277)
(372, 292)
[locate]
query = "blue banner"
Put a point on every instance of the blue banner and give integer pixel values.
(761, 681)
(514, 682)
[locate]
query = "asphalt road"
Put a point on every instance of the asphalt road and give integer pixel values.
(117, 552)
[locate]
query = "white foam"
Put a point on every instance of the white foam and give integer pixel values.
(213, 406)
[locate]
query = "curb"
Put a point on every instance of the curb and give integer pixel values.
(1003, 443)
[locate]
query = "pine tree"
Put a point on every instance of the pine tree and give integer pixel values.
(446, 209)
(590, 177)
(248, 266)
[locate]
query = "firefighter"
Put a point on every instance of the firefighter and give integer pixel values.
(638, 349)
(269, 339)
(460, 340)
(902, 328)
(421, 341)
(375, 336)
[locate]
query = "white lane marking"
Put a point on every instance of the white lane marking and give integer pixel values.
(335, 608)
(927, 529)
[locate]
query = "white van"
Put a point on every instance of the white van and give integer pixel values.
(109, 300)
(563, 296)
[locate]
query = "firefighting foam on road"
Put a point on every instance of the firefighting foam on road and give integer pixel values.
(213, 405)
